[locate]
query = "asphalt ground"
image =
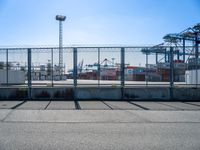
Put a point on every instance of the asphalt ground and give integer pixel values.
(110, 125)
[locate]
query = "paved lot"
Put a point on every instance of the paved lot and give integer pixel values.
(121, 105)
(9, 104)
(61, 105)
(99, 125)
(99, 105)
(91, 105)
(99, 136)
(99, 129)
(154, 106)
(34, 105)
(181, 106)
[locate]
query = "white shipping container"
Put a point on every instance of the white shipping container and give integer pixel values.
(14, 76)
(192, 77)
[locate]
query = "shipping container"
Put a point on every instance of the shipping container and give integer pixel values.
(14, 76)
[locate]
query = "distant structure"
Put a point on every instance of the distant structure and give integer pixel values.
(185, 43)
(60, 18)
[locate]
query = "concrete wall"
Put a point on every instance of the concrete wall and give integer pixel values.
(107, 93)
(37, 93)
(187, 93)
(148, 93)
(103, 93)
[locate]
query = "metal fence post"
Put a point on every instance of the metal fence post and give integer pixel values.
(75, 72)
(156, 57)
(99, 73)
(29, 74)
(146, 74)
(196, 57)
(75, 75)
(75, 67)
(52, 67)
(178, 55)
(7, 67)
(165, 55)
(122, 71)
(171, 73)
(168, 59)
(184, 50)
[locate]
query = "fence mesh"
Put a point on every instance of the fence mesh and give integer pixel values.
(140, 66)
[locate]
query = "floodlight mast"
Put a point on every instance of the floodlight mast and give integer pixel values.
(60, 18)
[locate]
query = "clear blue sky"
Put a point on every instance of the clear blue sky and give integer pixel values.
(127, 22)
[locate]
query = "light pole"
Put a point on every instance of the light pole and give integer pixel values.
(60, 18)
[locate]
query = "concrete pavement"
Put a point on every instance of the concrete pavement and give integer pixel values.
(99, 105)
(99, 125)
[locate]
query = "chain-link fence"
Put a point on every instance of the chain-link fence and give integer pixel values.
(99, 66)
